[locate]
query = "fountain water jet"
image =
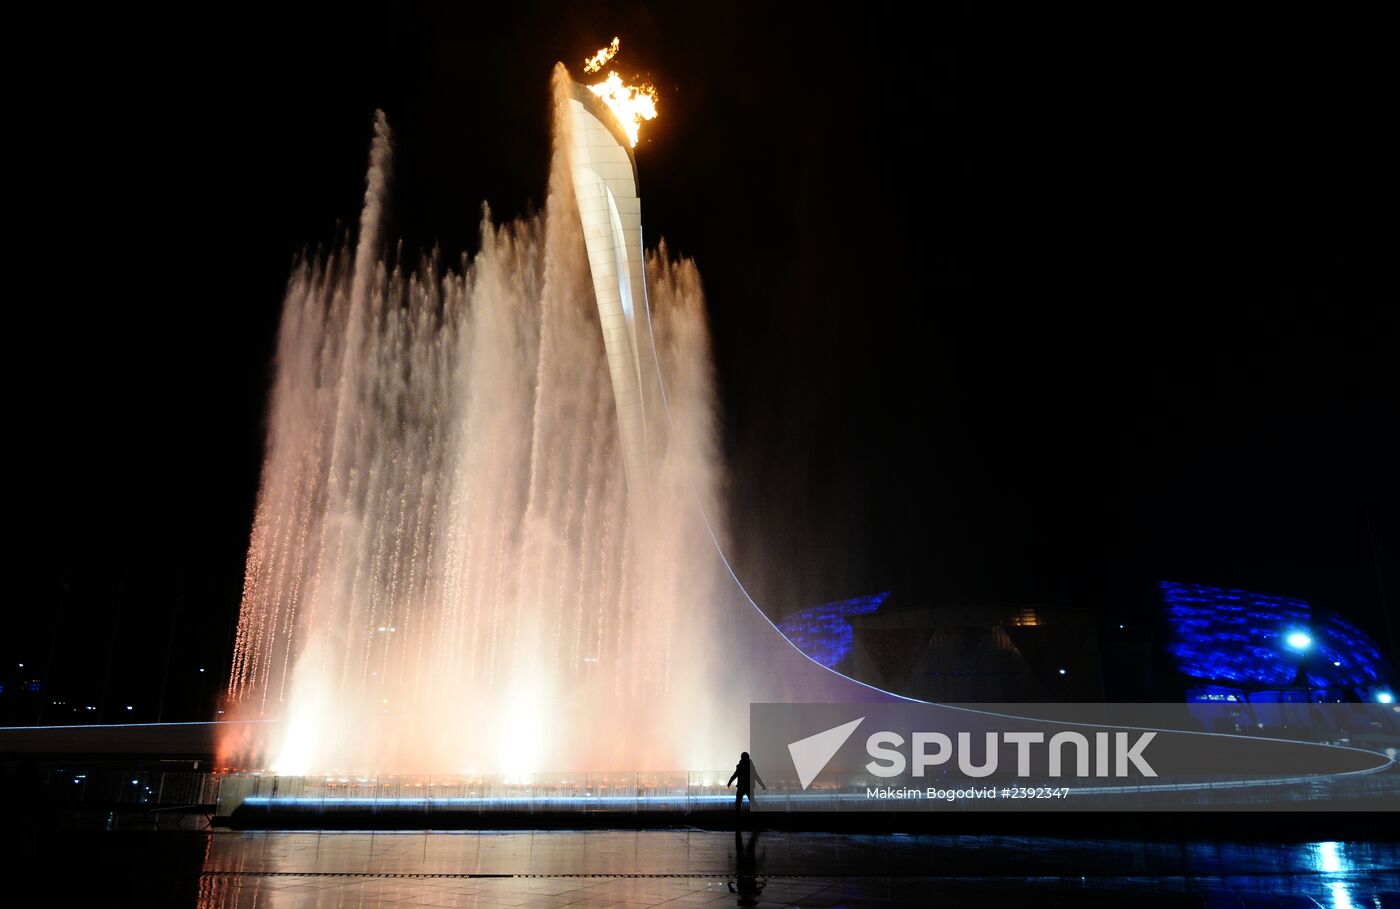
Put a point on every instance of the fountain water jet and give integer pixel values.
(447, 573)
(444, 573)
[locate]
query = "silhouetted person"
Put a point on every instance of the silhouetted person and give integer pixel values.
(745, 774)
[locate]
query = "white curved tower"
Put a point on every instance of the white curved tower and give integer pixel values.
(605, 185)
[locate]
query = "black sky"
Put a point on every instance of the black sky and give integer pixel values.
(1026, 308)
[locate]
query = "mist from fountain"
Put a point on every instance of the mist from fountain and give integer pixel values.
(445, 573)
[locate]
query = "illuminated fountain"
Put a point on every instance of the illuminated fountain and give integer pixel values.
(485, 539)
(486, 570)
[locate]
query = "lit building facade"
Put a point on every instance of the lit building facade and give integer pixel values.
(1237, 645)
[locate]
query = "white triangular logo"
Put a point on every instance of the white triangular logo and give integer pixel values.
(810, 755)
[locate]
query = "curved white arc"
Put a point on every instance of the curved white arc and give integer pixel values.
(714, 539)
(606, 186)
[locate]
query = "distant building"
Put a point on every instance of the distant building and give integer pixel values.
(824, 632)
(1213, 644)
(1238, 645)
(956, 653)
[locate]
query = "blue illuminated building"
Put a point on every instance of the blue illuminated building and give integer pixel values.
(824, 632)
(1240, 645)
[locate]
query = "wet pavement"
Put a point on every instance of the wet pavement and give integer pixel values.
(681, 867)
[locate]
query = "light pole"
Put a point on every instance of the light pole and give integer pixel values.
(1299, 642)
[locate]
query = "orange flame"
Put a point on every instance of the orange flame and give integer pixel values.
(632, 104)
(600, 59)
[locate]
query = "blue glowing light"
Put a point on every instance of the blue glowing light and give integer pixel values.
(824, 632)
(1385, 697)
(1240, 641)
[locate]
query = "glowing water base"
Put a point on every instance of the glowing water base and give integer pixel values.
(488, 535)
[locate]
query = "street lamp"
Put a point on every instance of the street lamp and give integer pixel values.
(1300, 641)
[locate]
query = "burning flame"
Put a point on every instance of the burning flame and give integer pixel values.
(631, 104)
(600, 59)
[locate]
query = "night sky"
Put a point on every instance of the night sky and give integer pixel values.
(1010, 310)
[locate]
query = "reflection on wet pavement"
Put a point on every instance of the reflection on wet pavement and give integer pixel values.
(692, 867)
